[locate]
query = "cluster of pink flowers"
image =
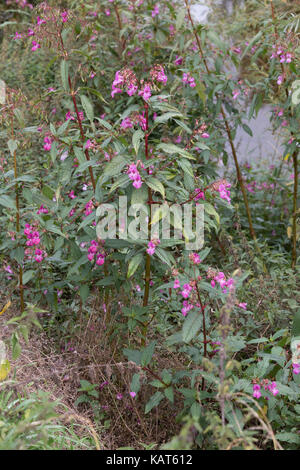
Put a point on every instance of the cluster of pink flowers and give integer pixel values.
(89, 207)
(223, 283)
(47, 143)
(194, 258)
(157, 73)
(134, 175)
(186, 292)
(33, 236)
(224, 191)
(126, 80)
(187, 78)
(284, 57)
(254, 186)
(33, 239)
(95, 249)
(42, 210)
(127, 123)
(272, 387)
(152, 246)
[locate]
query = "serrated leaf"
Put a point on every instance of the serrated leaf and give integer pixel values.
(154, 401)
(156, 185)
(88, 107)
(134, 264)
(191, 326)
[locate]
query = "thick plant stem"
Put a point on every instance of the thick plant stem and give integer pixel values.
(22, 307)
(295, 197)
(227, 127)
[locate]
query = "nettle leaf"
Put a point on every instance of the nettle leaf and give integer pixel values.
(154, 401)
(88, 107)
(156, 185)
(8, 202)
(209, 209)
(28, 275)
(165, 117)
(134, 263)
(115, 166)
(147, 353)
(136, 139)
(173, 149)
(191, 326)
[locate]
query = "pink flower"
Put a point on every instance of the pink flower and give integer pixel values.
(187, 78)
(176, 284)
(243, 305)
(155, 11)
(186, 291)
(235, 94)
(145, 92)
(126, 123)
(199, 194)
(296, 368)
(151, 248)
(40, 21)
(132, 394)
(256, 391)
(273, 389)
(47, 143)
(35, 46)
(178, 60)
(71, 195)
(279, 80)
(64, 16)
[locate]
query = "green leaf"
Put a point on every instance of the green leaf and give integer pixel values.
(28, 275)
(136, 139)
(147, 353)
(115, 166)
(191, 326)
(134, 264)
(8, 202)
(156, 185)
(174, 149)
(169, 393)
(212, 211)
(88, 107)
(84, 292)
(154, 401)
